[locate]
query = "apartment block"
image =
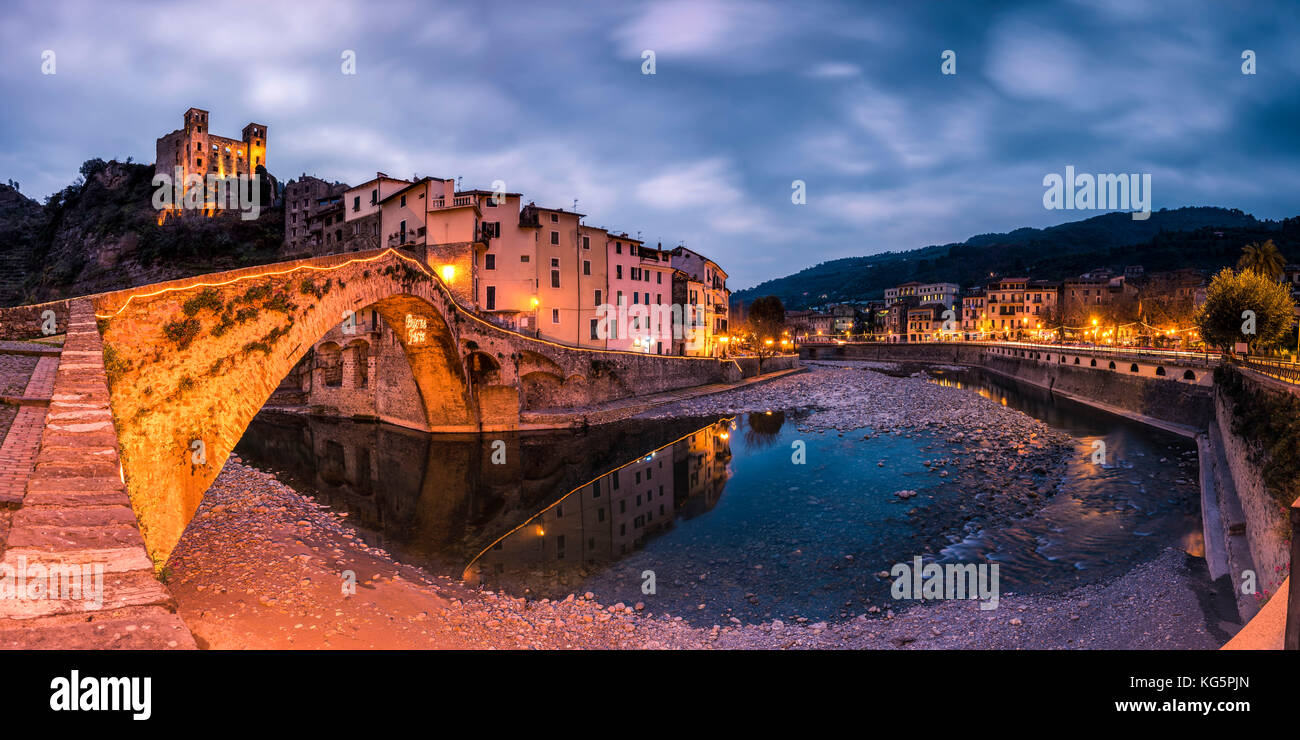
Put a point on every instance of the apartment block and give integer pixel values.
(305, 200)
(717, 296)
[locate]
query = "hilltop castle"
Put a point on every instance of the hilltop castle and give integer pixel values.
(198, 152)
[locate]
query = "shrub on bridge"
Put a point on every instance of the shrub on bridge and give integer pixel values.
(182, 332)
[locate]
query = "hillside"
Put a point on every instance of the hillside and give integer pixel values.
(102, 233)
(1201, 237)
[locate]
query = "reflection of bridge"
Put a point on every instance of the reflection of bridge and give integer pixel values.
(449, 499)
(156, 384)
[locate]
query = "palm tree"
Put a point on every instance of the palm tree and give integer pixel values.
(1262, 258)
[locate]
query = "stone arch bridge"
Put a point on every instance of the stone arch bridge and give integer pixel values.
(156, 384)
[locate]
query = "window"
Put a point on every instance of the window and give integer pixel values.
(595, 332)
(586, 267)
(374, 196)
(586, 242)
(555, 315)
(618, 247)
(523, 258)
(491, 297)
(555, 237)
(636, 273)
(356, 203)
(555, 262)
(554, 218)
(403, 199)
(659, 278)
(492, 229)
(555, 278)
(490, 261)
(597, 301)
(618, 271)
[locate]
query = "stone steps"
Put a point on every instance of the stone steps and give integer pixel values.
(75, 519)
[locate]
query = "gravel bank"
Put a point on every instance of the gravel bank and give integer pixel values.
(262, 566)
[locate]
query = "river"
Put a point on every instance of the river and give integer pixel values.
(710, 518)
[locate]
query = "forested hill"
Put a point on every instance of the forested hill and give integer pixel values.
(1201, 237)
(102, 233)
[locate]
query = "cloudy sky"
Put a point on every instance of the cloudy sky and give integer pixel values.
(746, 98)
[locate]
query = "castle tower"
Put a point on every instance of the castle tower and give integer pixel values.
(255, 141)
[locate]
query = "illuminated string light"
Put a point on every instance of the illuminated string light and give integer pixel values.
(389, 250)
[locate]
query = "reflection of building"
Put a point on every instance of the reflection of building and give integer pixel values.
(701, 468)
(614, 514)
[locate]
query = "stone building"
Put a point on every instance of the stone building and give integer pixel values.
(197, 151)
(306, 199)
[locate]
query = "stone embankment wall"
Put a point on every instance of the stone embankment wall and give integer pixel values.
(27, 322)
(1176, 393)
(1248, 517)
(1263, 509)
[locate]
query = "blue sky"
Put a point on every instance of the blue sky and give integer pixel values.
(747, 97)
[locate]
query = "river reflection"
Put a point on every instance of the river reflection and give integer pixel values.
(491, 506)
(636, 511)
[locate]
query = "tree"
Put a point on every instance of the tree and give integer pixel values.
(1264, 259)
(766, 323)
(1245, 306)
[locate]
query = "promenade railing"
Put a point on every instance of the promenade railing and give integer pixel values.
(1147, 354)
(1287, 372)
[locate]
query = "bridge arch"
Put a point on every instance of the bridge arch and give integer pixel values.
(191, 363)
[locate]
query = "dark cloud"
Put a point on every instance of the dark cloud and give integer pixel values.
(747, 98)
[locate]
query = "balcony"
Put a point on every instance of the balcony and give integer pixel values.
(406, 238)
(456, 202)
